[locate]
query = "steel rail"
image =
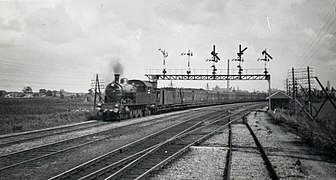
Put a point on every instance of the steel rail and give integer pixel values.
(93, 162)
(60, 131)
(41, 130)
(128, 167)
(227, 169)
(132, 157)
(49, 152)
(269, 165)
(183, 150)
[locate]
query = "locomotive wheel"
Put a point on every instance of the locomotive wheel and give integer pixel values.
(138, 113)
(135, 113)
(131, 114)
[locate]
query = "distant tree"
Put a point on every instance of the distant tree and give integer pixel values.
(90, 92)
(54, 93)
(20, 94)
(2, 93)
(42, 91)
(49, 93)
(61, 94)
(27, 89)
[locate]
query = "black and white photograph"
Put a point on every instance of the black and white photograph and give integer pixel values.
(167, 89)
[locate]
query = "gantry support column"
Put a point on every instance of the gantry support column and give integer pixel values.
(269, 92)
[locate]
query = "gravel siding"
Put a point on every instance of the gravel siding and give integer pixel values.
(247, 162)
(218, 140)
(285, 149)
(198, 163)
(206, 161)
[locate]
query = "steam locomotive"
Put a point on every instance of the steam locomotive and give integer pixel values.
(136, 98)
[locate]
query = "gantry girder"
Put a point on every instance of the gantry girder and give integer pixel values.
(155, 77)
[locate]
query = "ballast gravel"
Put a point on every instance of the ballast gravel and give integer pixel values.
(206, 161)
(291, 157)
(74, 134)
(247, 162)
(67, 160)
(199, 163)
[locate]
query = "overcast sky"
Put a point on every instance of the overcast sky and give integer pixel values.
(62, 44)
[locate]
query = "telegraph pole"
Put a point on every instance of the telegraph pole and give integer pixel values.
(97, 92)
(269, 92)
(309, 93)
(95, 97)
(228, 73)
(287, 88)
(293, 88)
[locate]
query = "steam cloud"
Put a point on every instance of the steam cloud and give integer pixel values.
(117, 67)
(114, 67)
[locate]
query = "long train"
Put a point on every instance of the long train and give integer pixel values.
(135, 98)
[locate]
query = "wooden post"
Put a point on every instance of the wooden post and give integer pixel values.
(293, 88)
(269, 92)
(309, 93)
(95, 91)
(287, 90)
(228, 73)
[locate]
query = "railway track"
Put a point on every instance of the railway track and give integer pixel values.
(24, 157)
(129, 152)
(266, 162)
(150, 150)
(10, 139)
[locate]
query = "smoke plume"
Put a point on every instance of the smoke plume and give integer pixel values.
(117, 67)
(114, 67)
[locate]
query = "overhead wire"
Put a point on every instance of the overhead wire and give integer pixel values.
(15, 74)
(311, 48)
(316, 46)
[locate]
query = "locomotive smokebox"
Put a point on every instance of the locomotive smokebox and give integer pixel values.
(116, 78)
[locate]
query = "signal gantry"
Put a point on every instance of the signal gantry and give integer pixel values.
(165, 55)
(214, 59)
(266, 58)
(189, 54)
(239, 59)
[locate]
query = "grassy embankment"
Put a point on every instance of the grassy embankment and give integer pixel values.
(17, 115)
(319, 133)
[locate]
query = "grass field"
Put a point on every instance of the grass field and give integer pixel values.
(25, 106)
(25, 114)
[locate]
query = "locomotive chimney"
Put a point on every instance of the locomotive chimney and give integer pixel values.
(116, 78)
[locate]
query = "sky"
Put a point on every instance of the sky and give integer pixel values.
(63, 44)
